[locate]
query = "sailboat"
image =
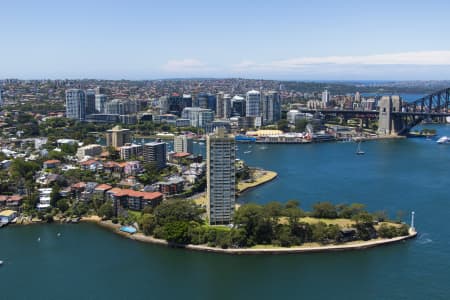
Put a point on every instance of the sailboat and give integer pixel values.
(358, 150)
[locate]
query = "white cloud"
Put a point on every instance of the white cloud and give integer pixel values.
(422, 58)
(185, 65)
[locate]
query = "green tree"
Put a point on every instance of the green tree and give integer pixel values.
(106, 210)
(283, 125)
(176, 232)
(177, 210)
(324, 210)
(148, 224)
(300, 125)
(62, 205)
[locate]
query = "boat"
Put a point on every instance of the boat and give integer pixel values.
(1, 262)
(358, 150)
(443, 140)
(247, 152)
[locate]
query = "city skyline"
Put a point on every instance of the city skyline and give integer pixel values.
(291, 40)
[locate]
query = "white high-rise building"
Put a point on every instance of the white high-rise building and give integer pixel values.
(183, 143)
(75, 104)
(325, 97)
(253, 102)
(221, 178)
(227, 109)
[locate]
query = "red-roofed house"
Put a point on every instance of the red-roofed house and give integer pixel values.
(13, 201)
(134, 200)
(51, 164)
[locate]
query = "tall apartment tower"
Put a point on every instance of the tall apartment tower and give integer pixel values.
(75, 104)
(1, 100)
(90, 101)
(155, 153)
(118, 136)
(219, 105)
(183, 143)
(227, 110)
(325, 97)
(252, 101)
(221, 179)
(271, 107)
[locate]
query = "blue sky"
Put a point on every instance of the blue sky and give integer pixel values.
(280, 39)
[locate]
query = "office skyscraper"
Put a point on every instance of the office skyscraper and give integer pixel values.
(75, 104)
(90, 101)
(271, 107)
(253, 99)
(221, 178)
(325, 97)
(100, 103)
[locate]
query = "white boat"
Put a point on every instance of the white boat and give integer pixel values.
(247, 152)
(1, 262)
(358, 150)
(443, 140)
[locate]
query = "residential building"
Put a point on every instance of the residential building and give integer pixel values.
(130, 150)
(183, 143)
(220, 105)
(89, 150)
(13, 201)
(220, 158)
(171, 186)
(44, 198)
(118, 136)
(155, 153)
(75, 104)
(253, 102)
(134, 200)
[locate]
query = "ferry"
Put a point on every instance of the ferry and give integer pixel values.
(443, 140)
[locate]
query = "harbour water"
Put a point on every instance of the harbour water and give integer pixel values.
(88, 262)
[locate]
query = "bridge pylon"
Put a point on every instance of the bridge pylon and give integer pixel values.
(388, 123)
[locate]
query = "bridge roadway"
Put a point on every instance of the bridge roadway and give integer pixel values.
(374, 112)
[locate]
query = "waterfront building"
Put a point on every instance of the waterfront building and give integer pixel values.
(100, 102)
(155, 153)
(89, 150)
(271, 107)
(90, 101)
(220, 159)
(183, 143)
(44, 198)
(7, 216)
(118, 136)
(294, 115)
(252, 108)
(199, 117)
(75, 104)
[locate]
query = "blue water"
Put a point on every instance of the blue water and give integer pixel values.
(88, 262)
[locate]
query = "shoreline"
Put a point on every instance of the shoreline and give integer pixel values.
(267, 177)
(356, 245)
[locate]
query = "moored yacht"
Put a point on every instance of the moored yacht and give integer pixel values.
(443, 140)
